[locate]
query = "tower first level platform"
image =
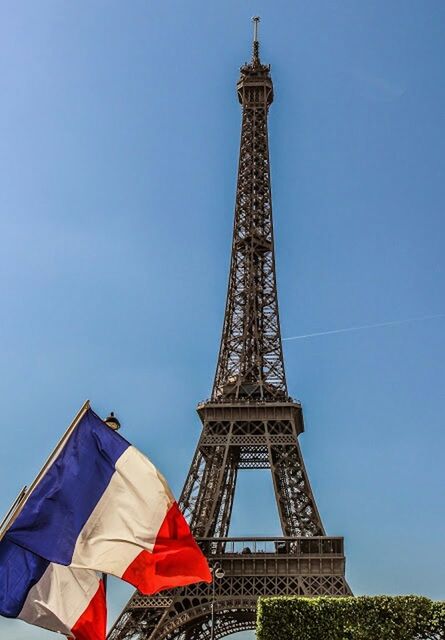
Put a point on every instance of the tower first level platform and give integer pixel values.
(253, 567)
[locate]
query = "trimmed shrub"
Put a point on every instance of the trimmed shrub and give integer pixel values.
(350, 618)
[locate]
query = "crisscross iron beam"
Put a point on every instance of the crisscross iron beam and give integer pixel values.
(250, 422)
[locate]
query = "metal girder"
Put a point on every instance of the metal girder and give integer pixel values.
(250, 422)
(245, 444)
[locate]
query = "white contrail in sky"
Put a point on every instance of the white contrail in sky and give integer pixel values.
(365, 326)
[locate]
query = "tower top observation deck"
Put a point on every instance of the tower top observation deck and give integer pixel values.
(254, 74)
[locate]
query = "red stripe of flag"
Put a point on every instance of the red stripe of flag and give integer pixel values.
(92, 624)
(176, 559)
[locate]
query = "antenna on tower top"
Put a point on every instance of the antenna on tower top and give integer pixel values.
(256, 44)
(255, 20)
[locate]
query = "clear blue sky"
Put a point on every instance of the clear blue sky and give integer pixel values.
(119, 142)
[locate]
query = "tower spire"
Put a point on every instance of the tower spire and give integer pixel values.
(250, 363)
(256, 44)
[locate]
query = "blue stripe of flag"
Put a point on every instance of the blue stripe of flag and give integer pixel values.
(64, 499)
(20, 570)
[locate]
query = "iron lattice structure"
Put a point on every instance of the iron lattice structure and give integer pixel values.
(250, 422)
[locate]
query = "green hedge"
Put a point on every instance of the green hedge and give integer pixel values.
(361, 618)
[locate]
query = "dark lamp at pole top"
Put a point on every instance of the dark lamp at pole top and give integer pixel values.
(113, 422)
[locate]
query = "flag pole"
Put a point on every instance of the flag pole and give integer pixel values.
(21, 499)
(12, 507)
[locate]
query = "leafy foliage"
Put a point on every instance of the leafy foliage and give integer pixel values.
(361, 618)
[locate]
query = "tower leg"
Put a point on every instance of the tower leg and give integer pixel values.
(296, 504)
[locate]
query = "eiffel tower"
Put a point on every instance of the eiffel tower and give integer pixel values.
(250, 422)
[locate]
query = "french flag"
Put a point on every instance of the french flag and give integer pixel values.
(58, 598)
(103, 506)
